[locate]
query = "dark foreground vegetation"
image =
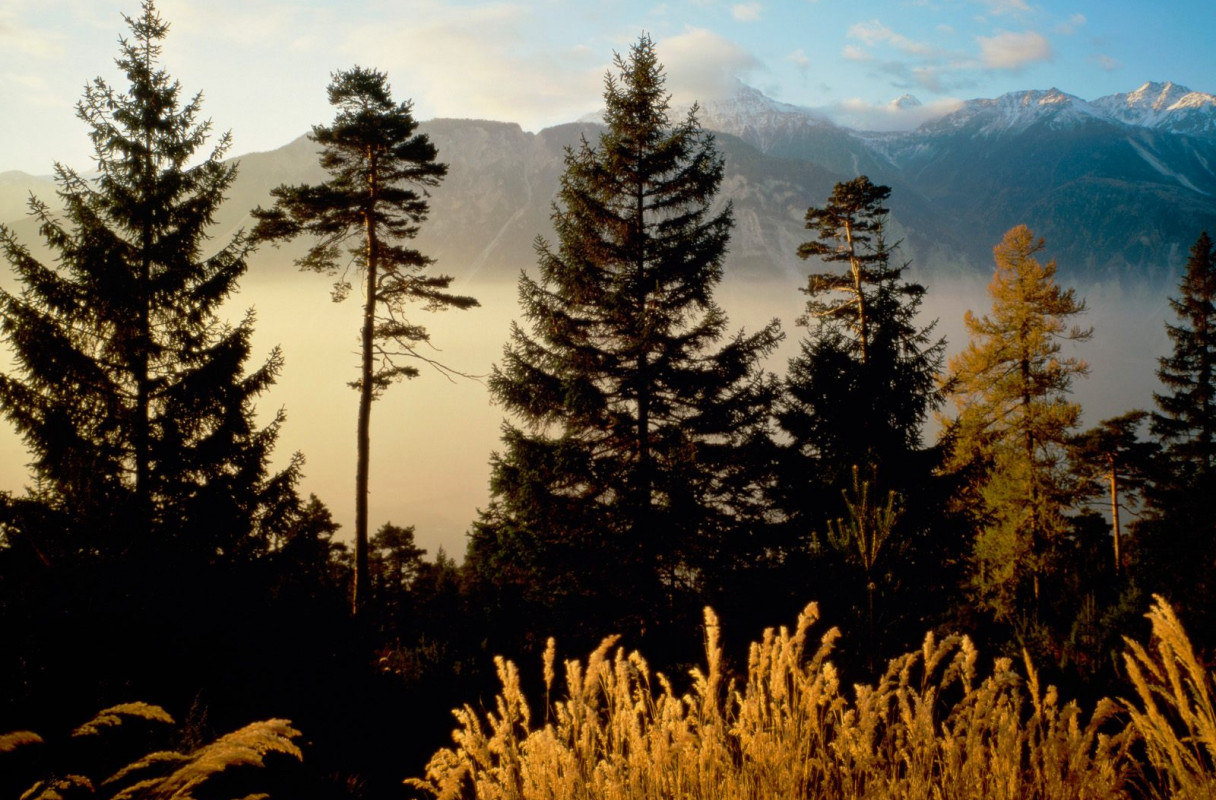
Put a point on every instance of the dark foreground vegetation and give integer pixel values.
(157, 568)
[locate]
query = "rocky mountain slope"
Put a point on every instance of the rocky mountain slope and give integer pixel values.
(1120, 186)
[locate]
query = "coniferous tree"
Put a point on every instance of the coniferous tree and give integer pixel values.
(1185, 421)
(1177, 544)
(629, 484)
(128, 391)
(856, 397)
(374, 202)
(1115, 463)
(865, 379)
(1011, 386)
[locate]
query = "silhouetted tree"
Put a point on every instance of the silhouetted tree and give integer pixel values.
(1115, 463)
(865, 379)
(1185, 419)
(373, 203)
(127, 389)
(856, 397)
(395, 563)
(1178, 539)
(629, 484)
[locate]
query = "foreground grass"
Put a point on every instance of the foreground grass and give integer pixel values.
(931, 728)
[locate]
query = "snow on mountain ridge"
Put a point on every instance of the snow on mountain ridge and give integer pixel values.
(1164, 106)
(748, 113)
(1016, 111)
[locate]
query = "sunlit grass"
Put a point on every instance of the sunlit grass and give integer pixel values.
(932, 727)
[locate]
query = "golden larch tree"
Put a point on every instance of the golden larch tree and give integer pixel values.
(1011, 386)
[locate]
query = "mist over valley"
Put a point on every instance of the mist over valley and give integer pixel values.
(1115, 218)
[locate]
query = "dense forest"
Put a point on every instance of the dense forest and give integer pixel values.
(178, 621)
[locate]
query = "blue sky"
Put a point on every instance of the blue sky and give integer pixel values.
(263, 64)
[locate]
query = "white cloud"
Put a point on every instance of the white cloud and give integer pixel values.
(702, 65)
(1106, 62)
(481, 61)
(1001, 7)
(854, 53)
(892, 116)
(874, 32)
(745, 12)
(1073, 23)
(20, 38)
(1012, 51)
(799, 59)
(33, 89)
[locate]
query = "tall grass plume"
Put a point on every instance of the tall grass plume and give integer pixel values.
(930, 728)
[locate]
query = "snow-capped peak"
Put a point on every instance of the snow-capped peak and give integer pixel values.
(1017, 111)
(1163, 105)
(748, 107)
(904, 102)
(1157, 96)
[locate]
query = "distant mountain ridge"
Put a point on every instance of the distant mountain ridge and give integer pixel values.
(1120, 186)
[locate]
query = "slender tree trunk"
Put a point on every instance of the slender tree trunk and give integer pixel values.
(643, 522)
(143, 401)
(363, 435)
(143, 378)
(863, 324)
(1030, 476)
(1114, 513)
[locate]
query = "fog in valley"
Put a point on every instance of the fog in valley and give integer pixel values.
(432, 438)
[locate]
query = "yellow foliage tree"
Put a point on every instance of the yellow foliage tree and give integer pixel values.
(1011, 387)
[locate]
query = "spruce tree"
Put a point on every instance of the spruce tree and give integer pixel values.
(1185, 420)
(128, 390)
(380, 167)
(1011, 386)
(629, 483)
(1177, 538)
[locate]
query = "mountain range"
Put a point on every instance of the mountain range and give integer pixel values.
(1119, 186)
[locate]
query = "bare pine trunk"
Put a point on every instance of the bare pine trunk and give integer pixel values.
(362, 584)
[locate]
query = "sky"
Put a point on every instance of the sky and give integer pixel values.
(263, 65)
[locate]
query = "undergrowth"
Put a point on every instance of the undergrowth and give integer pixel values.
(930, 728)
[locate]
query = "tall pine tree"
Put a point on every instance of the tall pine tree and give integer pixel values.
(380, 167)
(128, 390)
(629, 483)
(856, 397)
(1015, 418)
(865, 379)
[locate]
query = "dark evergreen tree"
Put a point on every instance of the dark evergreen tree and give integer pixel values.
(865, 380)
(395, 563)
(372, 205)
(1177, 539)
(129, 392)
(629, 484)
(1114, 464)
(1185, 420)
(856, 397)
